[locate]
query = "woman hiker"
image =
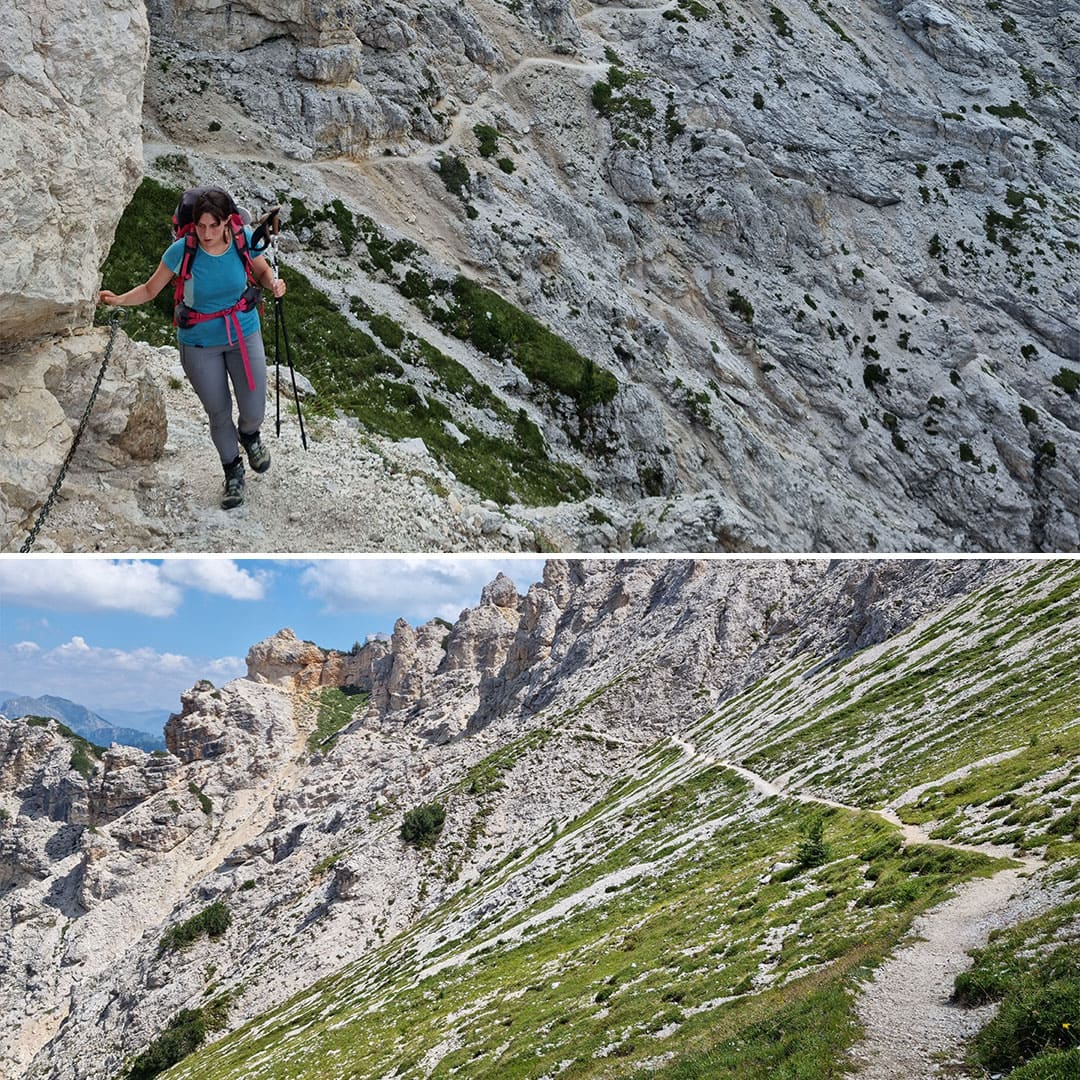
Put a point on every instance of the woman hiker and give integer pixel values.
(219, 340)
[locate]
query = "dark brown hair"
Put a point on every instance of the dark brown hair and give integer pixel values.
(213, 202)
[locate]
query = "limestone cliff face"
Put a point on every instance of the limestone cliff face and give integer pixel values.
(70, 155)
(71, 91)
(831, 257)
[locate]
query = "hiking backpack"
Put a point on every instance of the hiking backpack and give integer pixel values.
(183, 226)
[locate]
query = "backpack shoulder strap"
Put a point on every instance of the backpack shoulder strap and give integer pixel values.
(243, 249)
(183, 275)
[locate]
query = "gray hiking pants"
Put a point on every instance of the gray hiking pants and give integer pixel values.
(209, 370)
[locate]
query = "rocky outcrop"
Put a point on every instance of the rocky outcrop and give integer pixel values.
(44, 390)
(128, 777)
(70, 155)
(247, 728)
(287, 661)
(70, 159)
(333, 80)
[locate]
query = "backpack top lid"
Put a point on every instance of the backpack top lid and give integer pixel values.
(182, 219)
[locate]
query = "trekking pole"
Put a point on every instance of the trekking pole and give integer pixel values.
(277, 365)
(266, 236)
(280, 312)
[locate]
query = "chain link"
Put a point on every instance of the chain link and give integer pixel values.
(29, 542)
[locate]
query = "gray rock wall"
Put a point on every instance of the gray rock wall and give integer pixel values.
(71, 90)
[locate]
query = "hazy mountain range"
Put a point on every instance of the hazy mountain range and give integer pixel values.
(140, 728)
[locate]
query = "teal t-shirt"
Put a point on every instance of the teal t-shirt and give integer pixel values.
(216, 283)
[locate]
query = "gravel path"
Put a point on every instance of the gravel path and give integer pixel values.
(912, 1031)
(346, 492)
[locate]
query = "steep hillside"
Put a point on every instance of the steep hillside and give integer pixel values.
(827, 256)
(650, 819)
(678, 276)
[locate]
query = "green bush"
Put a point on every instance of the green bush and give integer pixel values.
(812, 850)
(1014, 110)
(1068, 380)
(488, 138)
(873, 375)
(740, 305)
(780, 20)
(204, 799)
(423, 824)
(186, 1032)
(601, 98)
(212, 921)
(454, 174)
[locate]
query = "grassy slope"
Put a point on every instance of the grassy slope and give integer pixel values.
(669, 931)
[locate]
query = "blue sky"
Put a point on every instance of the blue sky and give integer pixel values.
(134, 633)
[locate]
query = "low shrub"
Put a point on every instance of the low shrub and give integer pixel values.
(212, 921)
(423, 824)
(186, 1032)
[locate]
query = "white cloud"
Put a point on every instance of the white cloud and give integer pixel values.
(89, 585)
(222, 577)
(117, 678)
(112, 585)
(413, 586)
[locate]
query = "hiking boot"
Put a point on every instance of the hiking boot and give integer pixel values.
(234, 485)
(257, 454)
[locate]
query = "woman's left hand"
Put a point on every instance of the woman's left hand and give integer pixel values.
(279, 287)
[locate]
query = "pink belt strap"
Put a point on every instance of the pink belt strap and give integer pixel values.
(232, 320)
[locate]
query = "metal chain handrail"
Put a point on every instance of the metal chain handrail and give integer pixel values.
(115, 320)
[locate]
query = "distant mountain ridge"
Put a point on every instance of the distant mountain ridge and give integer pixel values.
(90, 725)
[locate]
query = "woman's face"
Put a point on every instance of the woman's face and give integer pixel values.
(210, 230)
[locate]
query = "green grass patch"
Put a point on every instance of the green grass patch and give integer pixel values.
(505, 332)
(1033, 970)
(1013, 111)
(142, 235)
(337, 706)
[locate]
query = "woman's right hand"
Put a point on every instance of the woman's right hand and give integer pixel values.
(107, 297)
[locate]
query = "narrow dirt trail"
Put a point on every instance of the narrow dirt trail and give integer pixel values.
(473, 111)
(911, 1029)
